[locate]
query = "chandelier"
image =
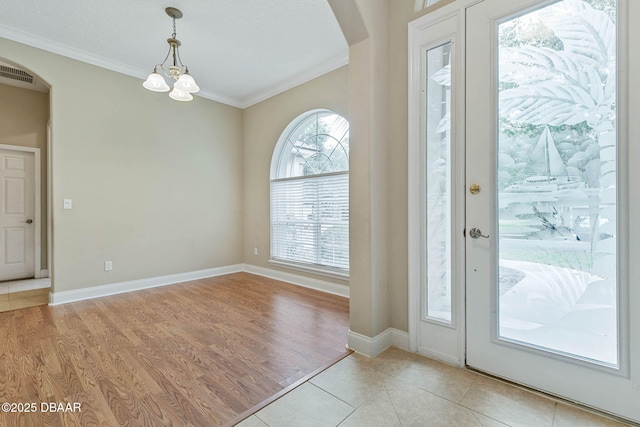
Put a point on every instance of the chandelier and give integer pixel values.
(184, 84)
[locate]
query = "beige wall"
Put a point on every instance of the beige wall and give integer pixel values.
(378, 98)
(263, 124)
(159, 196)
(24, 115)
(400, 16)
(156, 184)
(369, 110)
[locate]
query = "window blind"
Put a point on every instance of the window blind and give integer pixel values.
(310, 220)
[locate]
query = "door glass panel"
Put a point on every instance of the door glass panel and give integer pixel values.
(557, 287)
(438, 209)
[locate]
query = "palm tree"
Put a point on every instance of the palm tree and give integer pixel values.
(569, 79)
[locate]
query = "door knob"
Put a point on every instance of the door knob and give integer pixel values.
(476, 233)
(29, 221)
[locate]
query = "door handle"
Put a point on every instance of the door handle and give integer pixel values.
(476, 233)
(29, 221)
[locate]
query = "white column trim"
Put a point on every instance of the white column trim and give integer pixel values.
(371, 347)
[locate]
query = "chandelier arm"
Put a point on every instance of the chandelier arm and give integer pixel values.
(165, 58)
(184, 67)
(164, 71)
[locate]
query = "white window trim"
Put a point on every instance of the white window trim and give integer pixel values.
(317, 269)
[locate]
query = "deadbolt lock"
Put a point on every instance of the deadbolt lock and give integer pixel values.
(474, 189)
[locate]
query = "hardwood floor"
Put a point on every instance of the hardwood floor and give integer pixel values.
(199, 353)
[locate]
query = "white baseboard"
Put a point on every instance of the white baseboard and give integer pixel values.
(64, 297)
(371, 347)
(450, 360)
(307, 282)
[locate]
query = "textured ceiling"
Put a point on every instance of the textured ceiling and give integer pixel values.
(239, 51)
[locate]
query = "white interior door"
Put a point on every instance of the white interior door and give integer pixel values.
(547, 246)
(17, 215)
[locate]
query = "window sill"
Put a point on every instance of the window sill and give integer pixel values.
(334, 274)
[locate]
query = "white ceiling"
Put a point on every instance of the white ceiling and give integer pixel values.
(239, 51)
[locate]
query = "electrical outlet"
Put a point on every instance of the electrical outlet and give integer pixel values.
(255, 251)
(108, 266)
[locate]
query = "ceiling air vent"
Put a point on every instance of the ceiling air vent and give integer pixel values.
(15, 74)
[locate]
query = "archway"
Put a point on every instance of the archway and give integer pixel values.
(24, 151)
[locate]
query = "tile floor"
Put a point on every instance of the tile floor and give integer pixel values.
(23, 285)
(24, 299)
(24, 293)
(403, 389)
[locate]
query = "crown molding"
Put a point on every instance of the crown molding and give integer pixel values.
(330, 65)
(70, 52)
(38, 42)
(223, 99)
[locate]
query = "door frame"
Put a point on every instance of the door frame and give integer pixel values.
(418, 30)
(630, 248)
(38, 272)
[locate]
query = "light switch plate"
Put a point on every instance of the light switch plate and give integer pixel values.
(67, 204)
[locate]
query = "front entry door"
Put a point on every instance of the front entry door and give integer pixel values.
(17, 219)
(547, 266)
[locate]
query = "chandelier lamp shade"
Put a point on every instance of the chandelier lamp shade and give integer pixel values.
(184, 84)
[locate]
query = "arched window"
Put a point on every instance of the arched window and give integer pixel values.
(310, 194)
